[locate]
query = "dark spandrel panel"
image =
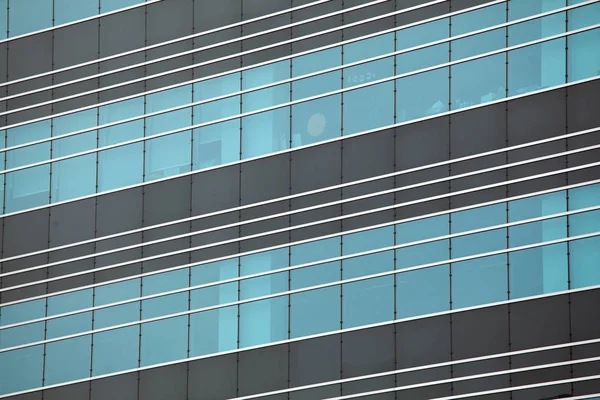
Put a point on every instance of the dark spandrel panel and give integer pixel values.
(215, 237)
(71, 267)
(120, 387)
(122, 31)
(324, 392)
(207, 57)
(428, 391)
(372, 385)
(169, 20)
(316, 167)
(413, 143)
(209, 15)
(167, 201)
(28, 396)
(214, 190)
(539, 376)
(269, 54)
(72, 222)
(316, 26)
(478, 196)
(319, 214)
(368, 351)
(423, 341)
(169, 65)
(213, 378)
(368, 155)
(421, 13)
(586, 369)
(35, 98)
(480, 332)
(462, 4)
(366, 13)
(259, 8)
(582, 110)
(164, 383)
(422, 200)
(26, 232)
(167, 247)
(76, 44)
(118, 212)
(33, 276)
(263, 370)
(478, 130)
(536, 117)
(3, 65)
(30, 55)
(585, 318)
(81, 101)
(368, 204)
(74, 392)
(538, 323)
(534, 185)
(481, 384)
(537, 168)
(422, 377)
(315, 360)
(264, 226)
(265, 179)
(266, 24)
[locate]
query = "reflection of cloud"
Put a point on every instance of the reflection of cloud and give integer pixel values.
(316, 125)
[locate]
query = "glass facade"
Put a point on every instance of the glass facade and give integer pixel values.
(219, 205)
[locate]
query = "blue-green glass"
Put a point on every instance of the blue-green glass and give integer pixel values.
(535, 232)
(312, 63)
(368, 240)
(164, 340)
(535, 67)
(121, 166)
(479, 242)
(537, 29)
(478, 81)
(476, 20)
(160, 283)
(115, 350)
(2, 159)
(537, 206)
(22, 312)
(421, 229)
(361, 115)
(67, 303)
(422, 254)
(68, 360)
(583, 57)
(21, 335)
(315, 251)
(265, 75)
(3, 18)
(518, 9)
(585, 270)
(215, 330)
(218, 143)
(368, 264)
(264, 321)
(26, 16)
(74, 177)
(68, 10)
(315, 311)
(111, 5)
(584, 197)
(21, 369)
(479, 281)
(422, 291)
(538, 270)
(112, 293)
(477, 218)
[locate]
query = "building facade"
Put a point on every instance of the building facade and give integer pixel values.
(327, 199)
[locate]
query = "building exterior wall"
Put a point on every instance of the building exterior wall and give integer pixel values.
(366, 219)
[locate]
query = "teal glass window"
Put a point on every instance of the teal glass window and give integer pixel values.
(115, 350)
(421, 254)
(583, 59)
(269, 131)
(71, 324)
(368, 240)
(361, 115)
(2, 159)
(315, 251)
(422, 229)
(423, 291)
(479, 281)
(584, 197)
(518, 9)
(538, 270)
(68, 11)
(218, 143)
(315, 311)
(121, 166)
(21, 369)
(28, 16)
(3, 19)
(266, 320)
(476, 218)
(215, 330)
(536, 232)
(320, 119)
(585, 254)
(21, 335)
(111, 5)
(164, 340)
(168, 155)
(160, 283)
(21, 312)
(68, 360)
(473, 21)
(120, 314)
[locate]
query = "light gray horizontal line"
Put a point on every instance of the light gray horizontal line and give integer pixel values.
(302, 194)
(106, 14)
(341, 138)
(271, 61)
(302, 290)
(297, 78)
(154, 46)
(585, 396)
(222, 258)
(303, 100)
(288, 213)
(303, 265)
(418, 368)
(314, 336)
(171, 56)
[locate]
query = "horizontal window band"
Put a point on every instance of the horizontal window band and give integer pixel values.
(439, 213)
(300, 77)
(418, 368)
(308, 193)
(241, 69)
(482, 393)
(302, 290)
(303, 100)
(66, 24)
(326, 334)
(311, 208)
(184, 53)
(303, 265)
(286, 151)
(154, 46)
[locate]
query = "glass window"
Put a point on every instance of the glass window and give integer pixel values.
(121, 166)
(368, 240)
(480, 242)
(71, 324)
(264, 321)
(585, 254)
(536, 232)
(584, 197)
(21, 335)
(537, 206)
(160, 283)
(315, 311)
(421, 229)
(110, 5)
(68, 360)
(21, 369)
(265, 75)
(22, 312)
(2, 159)
(518, 9)
(28, 16)
(361, 115)
(422, 291)
(473, 21)
(479, 281)
(115, 350)
(422, 95)
(19, 313)
(583, 59)
(538, 28)
(471, 86)
(67, 10)
(164, 340)
(215, 330)
(3, 19)
(538, 270)
(219, 143)
(422, 254)
(315, 251)
(368, 265)
(119, 314)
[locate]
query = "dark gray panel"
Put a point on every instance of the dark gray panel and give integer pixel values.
(209, 16)
(72, 222)
(77, 391)
(585, 319)
(214, 190)
(480, 332)
(167, 200)
(316, 167)
(263, 370)
(213, 378)
(423, 341)
(120, 387)
(119, 211)
(315, 360)
(122, 31)
(26, 232)
(165, 383)
(29, 56)
(169, 20)
(368, 351)
(265, 179)
(75, 44)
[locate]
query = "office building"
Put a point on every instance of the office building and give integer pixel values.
(299, 199)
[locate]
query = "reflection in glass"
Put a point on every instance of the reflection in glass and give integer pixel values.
(479, 281)
(28, 16)
(538, 270)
